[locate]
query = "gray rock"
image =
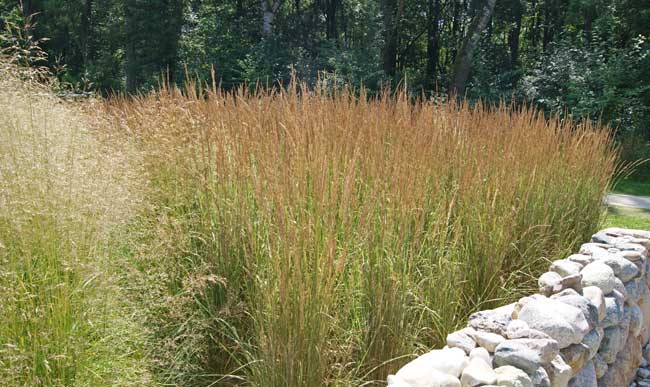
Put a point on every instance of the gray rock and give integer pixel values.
(619, 232)
(575, 355)
(519, 305)
(462, 339)
(633, 290)
(586, 377)
(597, 298)
(620, 287)
(600, 365)
(633, 247)
(644, 304)
(540, 378)
(396, 381)
(646, 353)
(582, 259)
(572, 282)
(477, 373)
(449, 361)
(643, 373)
(564, 323)
(565, 293)
(430, 378)
(611, 343)
(588, 309)
(596, 250)
(488, 340)
(519, 329)
(645, 242)
(509, 376)
(623, 269)
(641, 265)
(613, 312)
(630, 255)
(565, 267)
(481, 353)
(624, 368)
(516, 329)
(625, 323)
(526, 354)
(600, 275)
(636, 319)
(592, 341)
(558, 372)
(601, 237)
(494, 321)
(549, 283)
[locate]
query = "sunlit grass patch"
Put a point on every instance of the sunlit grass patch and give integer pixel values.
(300, 238)
(63, 195)
(627, 218)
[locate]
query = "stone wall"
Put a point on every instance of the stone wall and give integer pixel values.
(586, 327)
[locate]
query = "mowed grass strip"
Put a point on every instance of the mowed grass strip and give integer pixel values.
(304, 238)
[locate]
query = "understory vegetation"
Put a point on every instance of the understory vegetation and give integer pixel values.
(287, 237)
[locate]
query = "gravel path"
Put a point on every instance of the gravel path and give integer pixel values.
(640, 202)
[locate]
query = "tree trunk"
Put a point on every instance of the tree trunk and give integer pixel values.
(455, 31)
(269, 9)
(173, 34)
(389, 53)
(432, 41)
(332, 33)
(534, 28)
(267, 18)
(28, 11)
(463, 62)
(513, 36)
(589, 16)
(27, 8)
(131, 65)
(546, 35)
(87, 33)
(513, 41)
(239, 9)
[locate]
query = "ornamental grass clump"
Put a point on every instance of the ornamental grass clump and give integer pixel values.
(63, 197)
(313, 238)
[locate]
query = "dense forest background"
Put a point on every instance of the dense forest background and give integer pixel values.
(587, 58)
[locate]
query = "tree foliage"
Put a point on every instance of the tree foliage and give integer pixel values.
(588, 58)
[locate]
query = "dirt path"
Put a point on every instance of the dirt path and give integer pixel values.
(620, 200)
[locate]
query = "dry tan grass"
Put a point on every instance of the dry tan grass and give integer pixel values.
(315, 239)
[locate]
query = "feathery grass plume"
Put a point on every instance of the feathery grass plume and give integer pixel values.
(63, 195)
(315, 238)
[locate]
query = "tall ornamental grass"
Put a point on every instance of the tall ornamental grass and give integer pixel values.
(63, 196)
(305, 238)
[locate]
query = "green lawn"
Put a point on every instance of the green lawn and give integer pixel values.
(627, 218)
(632, 187)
